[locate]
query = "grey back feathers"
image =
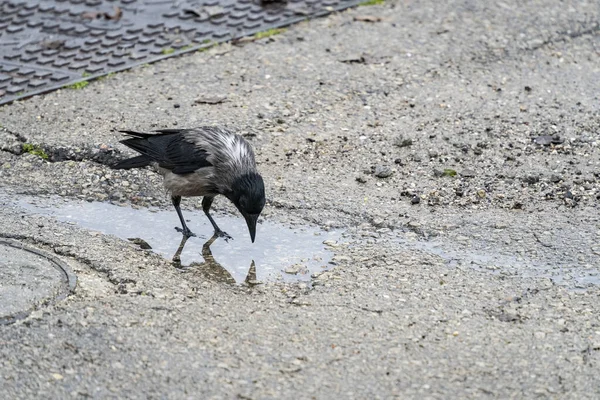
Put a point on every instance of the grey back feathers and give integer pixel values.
(202, 161)
(229, 153)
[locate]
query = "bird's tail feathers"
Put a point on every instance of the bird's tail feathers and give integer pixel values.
(150, 148)
(140, 135)
(135, 162)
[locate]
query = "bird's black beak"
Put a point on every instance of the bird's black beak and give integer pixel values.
(251, 222)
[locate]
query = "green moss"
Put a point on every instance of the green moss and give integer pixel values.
(107, 76)
(449, 172)
(210, 45)
(78, 85)
(35, 150)
(168, 50)
(86, 74)
(269, 33)
(372, 3)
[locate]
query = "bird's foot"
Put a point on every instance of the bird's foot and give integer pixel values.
(176, 261)
(223, 235)
(185, 232)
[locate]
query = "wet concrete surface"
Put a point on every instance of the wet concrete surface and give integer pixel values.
(550, 261)
(296, 253)
(282, 253)
(420, 130)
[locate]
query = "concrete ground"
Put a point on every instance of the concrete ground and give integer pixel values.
(456, 143)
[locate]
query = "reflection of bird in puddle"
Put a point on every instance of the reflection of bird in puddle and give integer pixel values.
(210, 268)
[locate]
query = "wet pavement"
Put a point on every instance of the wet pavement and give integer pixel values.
(491, 257)
(284, 253)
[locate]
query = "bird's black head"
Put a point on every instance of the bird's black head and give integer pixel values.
(248, 195)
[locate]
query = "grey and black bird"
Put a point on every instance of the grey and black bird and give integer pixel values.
(205, 161)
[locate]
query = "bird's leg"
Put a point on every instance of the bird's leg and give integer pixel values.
(206, 252)
(177, 256)
(206, 203)
(184, 229)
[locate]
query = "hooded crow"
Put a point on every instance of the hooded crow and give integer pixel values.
(205, 161)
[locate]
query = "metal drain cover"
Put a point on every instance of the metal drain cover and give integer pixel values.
(45, 45)
(30, 278)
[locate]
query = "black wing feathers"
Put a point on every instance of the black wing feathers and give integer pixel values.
(169, 149)
(135, 162)
(183, 157)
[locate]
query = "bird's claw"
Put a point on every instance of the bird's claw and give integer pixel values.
(223, 235)
(185, 232)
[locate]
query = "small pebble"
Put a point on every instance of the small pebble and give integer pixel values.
(293, 269)
(383, 171)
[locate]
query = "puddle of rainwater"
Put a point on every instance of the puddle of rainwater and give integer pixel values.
(277, 248)
(497, 262)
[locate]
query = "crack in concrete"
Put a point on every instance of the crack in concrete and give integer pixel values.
(102, 154)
